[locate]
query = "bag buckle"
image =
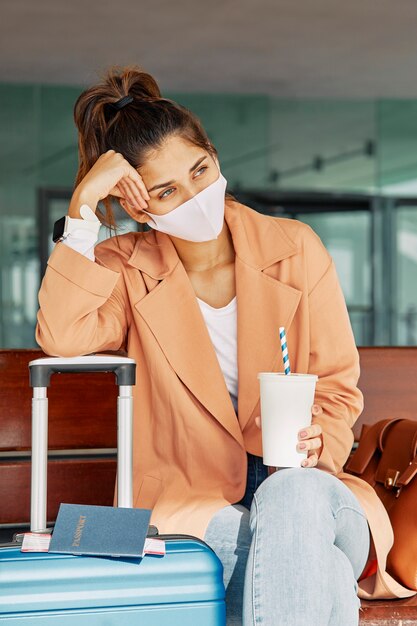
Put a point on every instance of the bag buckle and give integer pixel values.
(391, 478)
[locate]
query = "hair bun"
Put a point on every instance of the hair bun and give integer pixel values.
(132, 80)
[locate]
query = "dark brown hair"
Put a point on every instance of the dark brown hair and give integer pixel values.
(142, 125)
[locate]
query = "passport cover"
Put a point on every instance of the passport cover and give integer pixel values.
(100, 530)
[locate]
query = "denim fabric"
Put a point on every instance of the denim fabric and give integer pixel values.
(292, 549)
(257, 472)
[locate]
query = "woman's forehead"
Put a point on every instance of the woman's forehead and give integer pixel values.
(175, 157)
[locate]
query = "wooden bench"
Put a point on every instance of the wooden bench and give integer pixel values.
(82, 441)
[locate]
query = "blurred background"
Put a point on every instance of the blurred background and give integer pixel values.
(312, 106)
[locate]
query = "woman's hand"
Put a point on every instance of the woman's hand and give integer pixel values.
(310, 439)
(112, 175)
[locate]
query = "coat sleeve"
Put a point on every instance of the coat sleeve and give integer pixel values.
(83, 306)
(333, 357)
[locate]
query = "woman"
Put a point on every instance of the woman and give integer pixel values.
(197, 300)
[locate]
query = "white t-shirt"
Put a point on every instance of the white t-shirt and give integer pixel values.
(222, 326)
(221, 323)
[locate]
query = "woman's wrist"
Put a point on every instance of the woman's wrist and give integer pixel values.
(80, 197)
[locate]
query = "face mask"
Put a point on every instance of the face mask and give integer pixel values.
(198, 219)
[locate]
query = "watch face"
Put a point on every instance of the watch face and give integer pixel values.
(59, 228)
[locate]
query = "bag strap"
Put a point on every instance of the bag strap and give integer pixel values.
(372, 439)
(408, 474)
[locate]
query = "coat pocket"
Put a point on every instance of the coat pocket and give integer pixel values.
(149, 492)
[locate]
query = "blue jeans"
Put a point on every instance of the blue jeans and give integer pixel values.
(292, 549)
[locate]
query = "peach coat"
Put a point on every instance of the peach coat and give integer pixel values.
(189, 444)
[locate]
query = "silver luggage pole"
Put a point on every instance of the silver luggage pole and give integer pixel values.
(40, 374)
(39, 460)
(125, 447)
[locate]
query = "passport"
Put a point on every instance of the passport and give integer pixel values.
(100, 530)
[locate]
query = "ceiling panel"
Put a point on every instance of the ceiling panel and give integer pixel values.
(293, 48)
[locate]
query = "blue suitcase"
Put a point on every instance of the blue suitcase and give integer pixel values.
(184, 587)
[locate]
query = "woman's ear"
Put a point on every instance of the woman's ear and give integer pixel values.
(142, 217)
(135, 214)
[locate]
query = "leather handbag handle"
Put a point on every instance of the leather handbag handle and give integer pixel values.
(408, 474)
(372, 439)
(384, 431)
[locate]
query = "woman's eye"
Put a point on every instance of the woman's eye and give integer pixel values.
(163, 194)
(171, 188)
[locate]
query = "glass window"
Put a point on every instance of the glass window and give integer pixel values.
(19, 281)
(20, 273)
(405, 298)
(347, 237)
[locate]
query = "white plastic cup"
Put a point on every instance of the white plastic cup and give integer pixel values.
(286, 401)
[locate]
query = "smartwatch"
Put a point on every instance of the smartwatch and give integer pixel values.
(66, 224)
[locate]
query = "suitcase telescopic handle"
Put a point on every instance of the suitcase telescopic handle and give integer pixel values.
(40, 373)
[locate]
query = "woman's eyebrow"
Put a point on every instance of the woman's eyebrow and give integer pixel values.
(171, 182)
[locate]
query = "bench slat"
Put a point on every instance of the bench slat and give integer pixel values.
(389, 383)
(77, 419)
(401, 612)
(74, 481)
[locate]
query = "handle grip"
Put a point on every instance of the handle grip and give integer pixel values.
(40, 370)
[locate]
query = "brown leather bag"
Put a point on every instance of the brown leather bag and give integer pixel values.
(387, 459)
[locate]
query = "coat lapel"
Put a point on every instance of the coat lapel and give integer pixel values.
(263, 303)
(172, 313)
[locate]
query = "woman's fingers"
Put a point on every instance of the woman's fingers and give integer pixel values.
(316, 409)
(132, 211)
(136, 192)
(311, 441)
(126, 193)
(311, 460)
(116, 192)
(310, 444)
(310, 431)
(110, 169)
(137, 181)
(129, 195)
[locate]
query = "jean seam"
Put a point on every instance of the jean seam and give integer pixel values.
(349, 508)
(255, 549)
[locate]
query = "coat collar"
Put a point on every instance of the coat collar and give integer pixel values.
(172, 313)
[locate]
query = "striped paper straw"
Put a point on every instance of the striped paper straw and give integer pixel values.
(284, 348)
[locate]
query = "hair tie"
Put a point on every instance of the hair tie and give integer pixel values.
(122, 102)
